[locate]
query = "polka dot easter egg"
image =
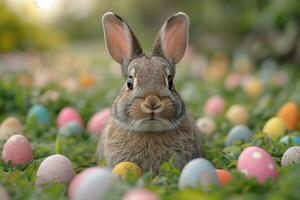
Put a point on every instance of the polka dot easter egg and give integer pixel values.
(18, 150)
(256, 162)
(10, 126)
(67, 115)
(214, 106)
(237, 114)
(140, 194)
(224, 176)
(289, 114)
(291, 156)
(98, 121)
(206, 125)
(124, 169)
(239, 133)
(274, 128)
(91, 183)
(40, 114)
(55, 168)
(198, 172)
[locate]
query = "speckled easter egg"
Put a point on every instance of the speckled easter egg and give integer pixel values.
(256, 162)
(214, 106)
(232, 81)
(239, 133)
(98, 121)
(3, 194)
(198, 172)
(289, 114)
(140, 194)
(237, 114)
(291, 156)
(123, 169)
(274, 128)
(294, 139)
(224, 176)
(10, 126)
(91, 184)
(18, 150)
(40, 113)
(206, 125)
(71, 128)
(67, 115)
(55, 168)
(253, 87)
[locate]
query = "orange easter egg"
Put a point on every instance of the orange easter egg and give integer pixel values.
(289, 114)
(86, 80)
(224, 176)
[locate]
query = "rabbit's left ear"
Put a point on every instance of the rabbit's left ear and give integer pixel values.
(172, 39)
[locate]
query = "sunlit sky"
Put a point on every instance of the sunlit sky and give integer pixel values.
(41, 11)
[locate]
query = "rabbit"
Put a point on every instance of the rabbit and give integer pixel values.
(149, 123)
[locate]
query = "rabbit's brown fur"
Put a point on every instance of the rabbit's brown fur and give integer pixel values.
(149, 123)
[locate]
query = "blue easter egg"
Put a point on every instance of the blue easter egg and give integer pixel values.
(198, 172)
(40, 113)
(285, 140)
(239, 133)
(71, 128)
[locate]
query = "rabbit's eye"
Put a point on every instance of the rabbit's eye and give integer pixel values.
(170, 82)
(130, 83)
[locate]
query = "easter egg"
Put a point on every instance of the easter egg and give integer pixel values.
(285, 139)
(92, 184)
(239, 133)
(3, 194)
(140, 194)
(232, 81)
(253, 87)
(123, 169)
(56, 168)
(86, 80)
(291, 156)
(98, 121)
(237, 114)
(71, 128)
(224, 176)
(198, 172)
(214, 106)
(10, 126)
(289, 114)
(67, 115)
(18, 150)
(256, 162)
(274, 128)
(40, 113)
(206, 125)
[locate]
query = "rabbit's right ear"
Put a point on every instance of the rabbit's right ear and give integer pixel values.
(120, 40)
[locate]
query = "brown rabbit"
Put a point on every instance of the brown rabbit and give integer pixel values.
(149, 123)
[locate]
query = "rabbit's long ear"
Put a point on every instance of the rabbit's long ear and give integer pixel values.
(172, 38)
(120, 40)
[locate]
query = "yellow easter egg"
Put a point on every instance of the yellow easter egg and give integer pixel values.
(237, 114)
(10, 126)
(274, 128)
(253, 87)
(123, 169)
(289, 114)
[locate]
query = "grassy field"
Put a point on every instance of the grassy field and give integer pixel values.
(23, 84)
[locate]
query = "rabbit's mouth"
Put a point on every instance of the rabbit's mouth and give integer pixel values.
(151, 124)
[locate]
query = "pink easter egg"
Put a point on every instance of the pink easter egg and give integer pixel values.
(214, 106)
(140, 194)
(18, 150)
(256, 162)
(55, 169)
(232, 81)
(98, 121)
(67, 115)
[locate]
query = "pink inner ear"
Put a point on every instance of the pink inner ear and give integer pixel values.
(174, 41)
(117, 41)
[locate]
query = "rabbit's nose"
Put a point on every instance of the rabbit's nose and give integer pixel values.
(152, 104)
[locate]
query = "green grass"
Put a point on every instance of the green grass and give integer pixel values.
(16, 100)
